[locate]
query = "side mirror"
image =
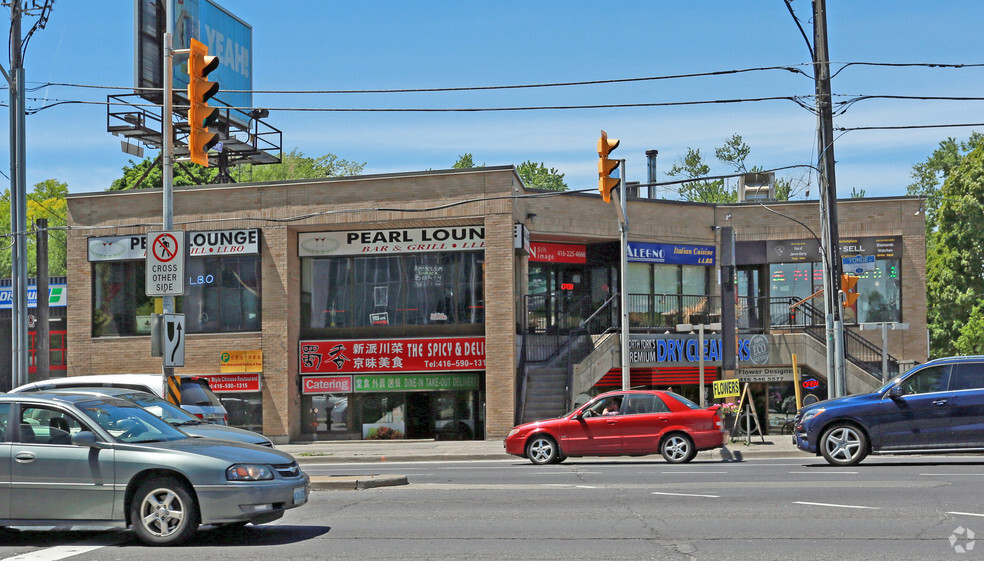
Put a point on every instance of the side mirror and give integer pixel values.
(584, 414)
(85, 438)
(895, 392)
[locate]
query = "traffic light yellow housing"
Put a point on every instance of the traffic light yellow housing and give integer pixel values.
(849, 285)
(200, 90)
(606, 166)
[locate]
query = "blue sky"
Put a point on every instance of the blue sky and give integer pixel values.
(372, 45)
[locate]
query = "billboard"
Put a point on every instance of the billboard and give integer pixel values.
(226, 36)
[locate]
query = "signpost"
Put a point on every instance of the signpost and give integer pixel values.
(165, 263)
(173, 334)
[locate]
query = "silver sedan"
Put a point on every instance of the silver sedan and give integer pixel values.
(82, 459)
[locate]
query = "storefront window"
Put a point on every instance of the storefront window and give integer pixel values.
(420, 289)
(119, 304)
(791, 280)
(448, 415)
(694, 279)
(223, 295)
(880, 293)
(666, 279)
(245, 409)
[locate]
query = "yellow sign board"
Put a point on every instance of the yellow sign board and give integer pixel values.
(241, 361)
(727, 388)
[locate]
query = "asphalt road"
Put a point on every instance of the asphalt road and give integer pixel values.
(794, 508)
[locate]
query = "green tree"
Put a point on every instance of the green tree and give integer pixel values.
(538, 176)
(954, 269)
(692, 166)
(148, 173)
(534, 175)
(46, 200)
(928, 176)
(295, 165)
(465, 161)
(734, 152)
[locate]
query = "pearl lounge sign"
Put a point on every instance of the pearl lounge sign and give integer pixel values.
(375, 242)
(200, 244)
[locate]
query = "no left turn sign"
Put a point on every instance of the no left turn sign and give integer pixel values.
(165, 263)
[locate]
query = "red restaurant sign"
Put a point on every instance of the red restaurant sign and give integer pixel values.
(366, 356)
(558, 253)
(234, 382)
(326, 384)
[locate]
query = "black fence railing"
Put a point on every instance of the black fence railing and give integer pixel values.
(553, 318)
(858, 350)
(665, 311)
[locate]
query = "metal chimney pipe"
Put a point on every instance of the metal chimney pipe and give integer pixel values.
(652, 192)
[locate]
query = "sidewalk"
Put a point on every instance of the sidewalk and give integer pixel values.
(368, 451)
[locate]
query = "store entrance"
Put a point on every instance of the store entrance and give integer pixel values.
(451, 415)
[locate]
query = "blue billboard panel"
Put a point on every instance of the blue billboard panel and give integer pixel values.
(674, 254)
(225, 35)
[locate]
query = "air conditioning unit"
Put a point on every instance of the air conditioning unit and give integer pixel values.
(757, 187)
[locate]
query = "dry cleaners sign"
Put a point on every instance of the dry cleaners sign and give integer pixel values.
(200, 244)
(685, 349)
(377, 242)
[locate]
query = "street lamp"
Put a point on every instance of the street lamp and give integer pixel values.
(688, 328)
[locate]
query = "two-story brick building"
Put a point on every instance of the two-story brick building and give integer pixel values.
(406, 305)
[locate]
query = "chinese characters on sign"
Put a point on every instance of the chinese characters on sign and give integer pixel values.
(392, 355)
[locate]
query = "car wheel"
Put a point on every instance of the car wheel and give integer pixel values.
(843, 445)
(677, 449)
(163, 512)
(542, 450)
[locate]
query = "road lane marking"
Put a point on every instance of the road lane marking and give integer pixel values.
(59, 552)
(836, 505)
(696, 472)
(686, 495)
(824, 472)
(570, 486)
(967, 514)
(951, 474)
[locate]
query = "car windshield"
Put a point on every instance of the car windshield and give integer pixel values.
(128, 422)
(162, 408)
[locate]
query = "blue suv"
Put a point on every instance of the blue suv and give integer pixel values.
(936, 407)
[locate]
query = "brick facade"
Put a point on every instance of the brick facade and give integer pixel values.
(487, 196)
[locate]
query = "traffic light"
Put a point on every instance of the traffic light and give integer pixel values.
(606, 166)
(200, 90)
(849, 288)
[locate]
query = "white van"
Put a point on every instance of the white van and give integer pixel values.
(196, 397)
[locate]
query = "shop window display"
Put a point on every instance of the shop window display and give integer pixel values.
(419, 289)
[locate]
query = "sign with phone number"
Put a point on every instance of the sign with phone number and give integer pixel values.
(234, 382)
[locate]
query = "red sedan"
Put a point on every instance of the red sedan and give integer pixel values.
(633, 423)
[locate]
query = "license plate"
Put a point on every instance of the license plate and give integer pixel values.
(299, 495)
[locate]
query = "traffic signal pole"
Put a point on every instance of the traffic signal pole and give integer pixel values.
(623, 277)
(167, 163)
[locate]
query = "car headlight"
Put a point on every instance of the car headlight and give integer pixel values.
(811, 414)
(513, 433)
(249, 472)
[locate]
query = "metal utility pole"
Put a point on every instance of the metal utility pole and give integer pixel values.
(18, 205)
(42, 356)
(828, 196)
